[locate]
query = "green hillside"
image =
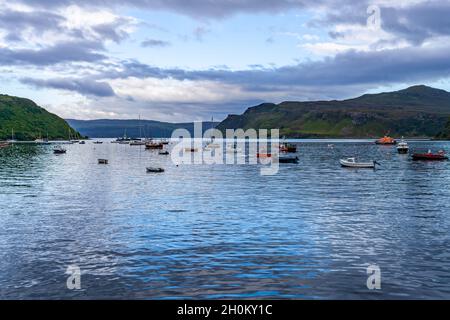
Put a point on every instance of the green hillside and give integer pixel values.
(445, 133)
(29, 121)
(417, 111)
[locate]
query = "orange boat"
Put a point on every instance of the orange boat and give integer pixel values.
(386, 141)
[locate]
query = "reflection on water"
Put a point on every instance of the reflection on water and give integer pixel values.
(223, 231)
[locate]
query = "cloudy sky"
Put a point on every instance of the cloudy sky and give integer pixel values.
(184, 60)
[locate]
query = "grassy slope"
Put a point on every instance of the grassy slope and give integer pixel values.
(29, 121)
(414, 112)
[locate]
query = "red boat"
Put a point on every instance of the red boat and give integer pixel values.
(4, 144)
(430, 156)
(263, 155)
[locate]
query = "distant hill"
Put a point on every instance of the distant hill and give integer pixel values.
(132, 128)
(29, 121)
(418, 111)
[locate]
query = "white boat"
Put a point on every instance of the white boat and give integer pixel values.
(352, 163)
(403, 147)
(42, 141)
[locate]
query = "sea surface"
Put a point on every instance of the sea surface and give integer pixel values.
(223, 231)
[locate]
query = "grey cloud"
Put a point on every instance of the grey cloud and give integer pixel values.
(83, 86)
(414, 23)
(200, 32)
(16, 21)
(195, 8)
(154, 43)
(81, 51)
(349, 68)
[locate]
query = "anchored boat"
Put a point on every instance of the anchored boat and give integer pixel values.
(386, 141)
(4, 145)
(154, 146)
(59, 150)
(352, 163)
(430, 156)
(403, 147)
(288, 159)
(154, 170)
(288, 147)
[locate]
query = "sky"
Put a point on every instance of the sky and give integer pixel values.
(190, 60)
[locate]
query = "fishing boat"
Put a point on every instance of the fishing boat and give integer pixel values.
(403, 147)
(102, 161)
(154, 170)
(164, 153)
(386, 141)
(165, 141)
(430, 156)
(288, 148)
(352, 163)
(59, 150)
(288, 159)
(82, 142)
(154, 146)
(98, 142)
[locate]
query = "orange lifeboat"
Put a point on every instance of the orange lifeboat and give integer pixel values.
(386, 141)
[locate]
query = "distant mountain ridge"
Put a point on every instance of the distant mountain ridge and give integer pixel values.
(105, 128)
(29, 121)
(417, 111)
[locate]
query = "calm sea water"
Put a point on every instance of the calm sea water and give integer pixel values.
(223, 231)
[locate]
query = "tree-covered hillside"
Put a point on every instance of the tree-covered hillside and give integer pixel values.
(29, 121)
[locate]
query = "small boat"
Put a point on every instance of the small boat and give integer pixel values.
(154, 170)
(4, 145)
(102, 161)
(402, 147)
(83, 142)
(263, 155)
(165, 141)
(430, 156)
(288, 159)
(288, 147)
(164, 153)
(352, 163)
(42, 141)
(190, 149)
(98, 142)
(386, 141)
(138, 143)
(154, 146)
(59, 150)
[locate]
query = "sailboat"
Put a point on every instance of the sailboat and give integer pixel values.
(42, 141)
(138, 142)
(211, 144)
(12, 137)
